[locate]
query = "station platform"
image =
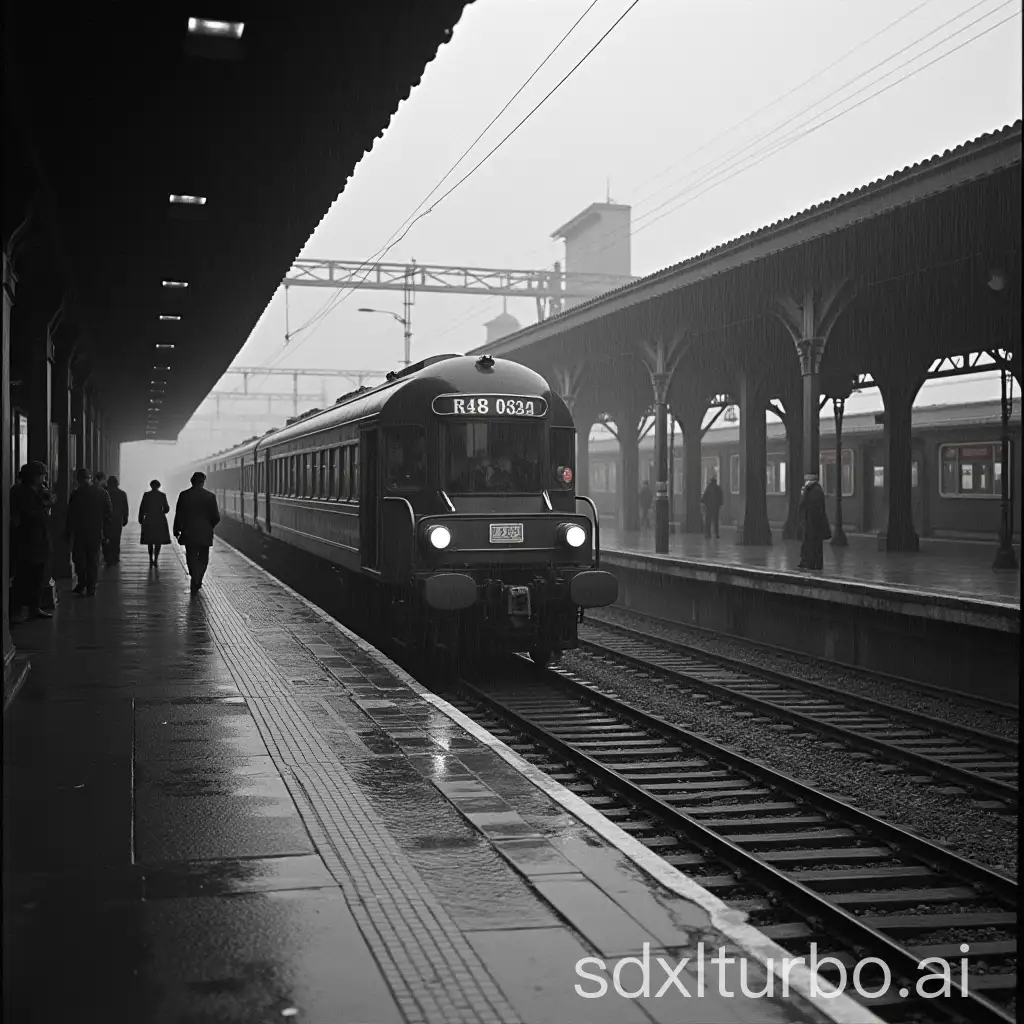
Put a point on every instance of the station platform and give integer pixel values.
(941, 615)
(228, 808)
(941, 569)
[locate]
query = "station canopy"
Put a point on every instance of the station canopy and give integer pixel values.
(262, 111)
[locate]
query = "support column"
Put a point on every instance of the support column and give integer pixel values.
(691, 417)
(1005, 558)
(7, 469)
(62, 478)
(753, 461)
(838, 408)
(811, 351)
(898, 392)
(794, 424)
(40, 391)
(661, 532)
(628, 430)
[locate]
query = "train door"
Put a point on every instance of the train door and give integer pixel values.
(255, 489)
(241, 489)
(368, 500)
(266, 488)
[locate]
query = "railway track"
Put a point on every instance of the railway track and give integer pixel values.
(805, 866)
(986, 765)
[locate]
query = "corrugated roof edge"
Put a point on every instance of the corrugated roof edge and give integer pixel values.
(1007, 131)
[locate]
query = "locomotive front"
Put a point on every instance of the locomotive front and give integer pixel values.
(513, 557)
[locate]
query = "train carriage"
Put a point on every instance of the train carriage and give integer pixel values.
(446, 494)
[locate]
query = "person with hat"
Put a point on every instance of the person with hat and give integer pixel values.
(812, 519)
(153, 511)
(89, 511)
(112, 535)
(30, 546)
(195, 517)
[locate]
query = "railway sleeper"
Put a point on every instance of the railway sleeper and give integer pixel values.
(834, 855)
(825, 835)
(902, 897)
(910, 923)
(854, 878)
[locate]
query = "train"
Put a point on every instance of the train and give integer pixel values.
(956, 471)
(445, 496)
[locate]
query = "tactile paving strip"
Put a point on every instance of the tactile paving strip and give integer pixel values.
(433, 971)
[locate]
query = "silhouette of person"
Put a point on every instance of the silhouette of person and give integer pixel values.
(153, 511)
(89, 511)
(195, 517)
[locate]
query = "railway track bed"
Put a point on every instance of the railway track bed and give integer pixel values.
(805, 866)
(967, 759)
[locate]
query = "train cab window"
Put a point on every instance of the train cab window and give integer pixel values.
(406, 459)
(563, 458)
(493, 457)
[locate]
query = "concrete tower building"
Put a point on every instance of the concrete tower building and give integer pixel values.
(597, 242)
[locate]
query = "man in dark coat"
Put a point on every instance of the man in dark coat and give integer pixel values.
(712, 502)
(195, 516)
(119, 503)
(813, 524)
(89, 511)
(30, 541)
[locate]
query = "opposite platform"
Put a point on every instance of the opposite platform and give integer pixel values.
(228, 808)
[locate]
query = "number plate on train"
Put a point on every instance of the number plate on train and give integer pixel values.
(506, 533)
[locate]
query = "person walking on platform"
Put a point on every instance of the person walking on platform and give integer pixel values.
(195, 517)
(646, 500)
(812, 518)
(89, 512)
(711, 499)
(153, 512)
(119, 503)
(30, 541)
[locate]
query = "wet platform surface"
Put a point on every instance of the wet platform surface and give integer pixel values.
(227, 809)
(960, 569)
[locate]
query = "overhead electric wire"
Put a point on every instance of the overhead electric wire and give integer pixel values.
(778, 99)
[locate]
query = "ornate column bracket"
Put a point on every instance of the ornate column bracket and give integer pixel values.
(567, 380)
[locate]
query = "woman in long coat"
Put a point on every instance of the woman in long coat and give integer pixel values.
(119, 501)
(153, 510)
(813, 524)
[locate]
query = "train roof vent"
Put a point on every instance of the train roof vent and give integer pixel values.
(485, 362)
(421, 365)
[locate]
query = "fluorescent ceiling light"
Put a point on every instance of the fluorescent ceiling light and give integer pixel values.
(169, 316)
(161, 368)
(189, 200)
(223, 29)
(162, 345)
(175, 284)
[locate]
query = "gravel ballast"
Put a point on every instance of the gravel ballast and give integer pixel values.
(846, 681)
(883, 790)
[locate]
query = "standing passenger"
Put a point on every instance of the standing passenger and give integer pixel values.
(813, 524)
(30, 541)
(119, 503)
(89, 510)
(195, 516)
(712, 502)
(153, 510)
(646, 500)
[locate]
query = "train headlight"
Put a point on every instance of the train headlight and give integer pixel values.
(439, 537)
(571, 535)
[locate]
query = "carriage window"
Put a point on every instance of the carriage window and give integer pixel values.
(563, 458)
(827, 472)
(353, 490)
(487, 457)
(734, 474)
(776, 475)
(295, 475)
(324, 479)
(307, 475)
(406, 459)
(314, 488)
(971, 470)
(332, 473)
(343, 462)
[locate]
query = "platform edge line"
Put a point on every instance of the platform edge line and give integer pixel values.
(840, 1009)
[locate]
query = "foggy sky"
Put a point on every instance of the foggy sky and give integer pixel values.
(643, 111)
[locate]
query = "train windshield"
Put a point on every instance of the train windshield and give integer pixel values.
(488, 457)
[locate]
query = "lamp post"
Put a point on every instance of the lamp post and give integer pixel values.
(402, 320)
(1005, 555)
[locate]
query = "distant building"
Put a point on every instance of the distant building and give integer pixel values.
(597, 242)
(502, 324)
